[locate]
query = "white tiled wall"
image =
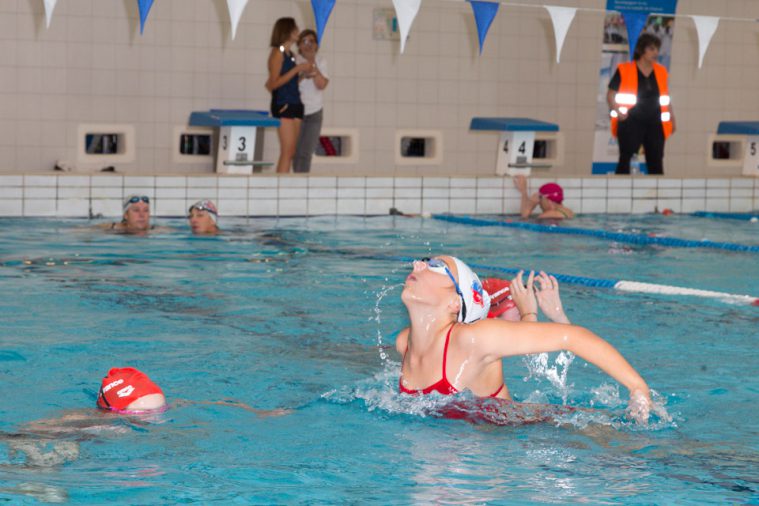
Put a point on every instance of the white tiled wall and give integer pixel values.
(92, 66)
(295, 195)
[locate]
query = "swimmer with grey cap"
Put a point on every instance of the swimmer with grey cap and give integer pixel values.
(135, 219)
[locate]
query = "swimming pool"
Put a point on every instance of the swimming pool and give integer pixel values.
(300, 314)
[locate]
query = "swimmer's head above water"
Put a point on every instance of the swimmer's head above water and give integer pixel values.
(126, 390)
(136, 213)
(450, 281)
(203, 217)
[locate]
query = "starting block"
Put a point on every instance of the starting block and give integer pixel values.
(515, 148)
(236, 137)
(749, 129)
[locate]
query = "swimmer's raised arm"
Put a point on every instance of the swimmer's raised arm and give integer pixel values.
(497, 339)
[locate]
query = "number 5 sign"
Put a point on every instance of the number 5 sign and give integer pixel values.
(751, 158)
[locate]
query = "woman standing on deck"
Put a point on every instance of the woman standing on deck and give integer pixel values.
(312, 85)
(639, 104)
(283, 85)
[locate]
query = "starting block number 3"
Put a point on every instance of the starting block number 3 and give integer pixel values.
(236, 145)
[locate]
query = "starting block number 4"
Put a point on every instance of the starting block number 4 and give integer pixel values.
(515, 155)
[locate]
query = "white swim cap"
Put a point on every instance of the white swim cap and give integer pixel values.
(476, 301)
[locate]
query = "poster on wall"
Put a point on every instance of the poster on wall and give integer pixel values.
(615, 50)
(385, 25)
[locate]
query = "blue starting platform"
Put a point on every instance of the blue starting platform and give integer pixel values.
(517, 142)
(750, 131)
(236, 137)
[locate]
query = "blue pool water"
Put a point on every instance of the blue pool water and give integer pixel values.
(300, 314)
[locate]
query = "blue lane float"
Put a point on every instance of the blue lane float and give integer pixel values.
(752, 217)
(615, 284)
(621, 237)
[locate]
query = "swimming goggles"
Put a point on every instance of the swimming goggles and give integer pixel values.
(439, 267)
(137, 198)
(203, 206)
(134, 199)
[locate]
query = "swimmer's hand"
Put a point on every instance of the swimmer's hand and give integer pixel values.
(639, 407)
(548, 298)
(523, 296)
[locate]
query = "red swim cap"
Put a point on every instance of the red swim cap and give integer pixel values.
(553, 192)
(499, 302)
(124, 385)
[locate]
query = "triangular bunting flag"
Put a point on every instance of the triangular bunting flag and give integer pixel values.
(235, 8)
(49, 8)
(635, 21)
(484, 13)
(322, 10)
(562, 18)
(405, 11)
(144, 6)
(705, 27)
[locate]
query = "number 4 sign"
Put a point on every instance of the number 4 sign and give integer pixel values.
(515, 153)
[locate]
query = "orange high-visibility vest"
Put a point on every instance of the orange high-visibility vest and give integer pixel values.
(627, 95)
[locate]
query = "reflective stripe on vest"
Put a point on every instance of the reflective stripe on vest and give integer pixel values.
(627, 95)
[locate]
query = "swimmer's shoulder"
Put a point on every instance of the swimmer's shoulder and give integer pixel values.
(560, 213)
(114, 225)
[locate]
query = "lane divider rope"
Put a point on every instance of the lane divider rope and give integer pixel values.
(603, 234)
(752, 217)
(636, 286)
(621, 285)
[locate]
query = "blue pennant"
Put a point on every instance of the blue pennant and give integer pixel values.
(322, 10)
(634, 21)
(484, 13)
(144, 6)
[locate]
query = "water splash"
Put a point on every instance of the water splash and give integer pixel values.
(538, 368)
(379, 393)
(381, 346)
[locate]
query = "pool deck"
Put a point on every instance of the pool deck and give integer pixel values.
(83, 195)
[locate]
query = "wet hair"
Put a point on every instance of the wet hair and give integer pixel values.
(308, 32)
(281, 31)
(645, 41)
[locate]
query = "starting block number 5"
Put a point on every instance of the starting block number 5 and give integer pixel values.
(751, 159)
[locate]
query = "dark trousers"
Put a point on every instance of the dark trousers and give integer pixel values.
(631, 133)
(308, 139)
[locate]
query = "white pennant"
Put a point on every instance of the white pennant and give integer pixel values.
(562, 19)
(705, 27)
(405, 11)
(49, 7)
(235, 13)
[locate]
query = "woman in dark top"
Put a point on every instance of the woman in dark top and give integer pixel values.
(283, 85)
(639, 103)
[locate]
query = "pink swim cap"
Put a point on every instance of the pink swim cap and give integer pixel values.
(553, 192)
